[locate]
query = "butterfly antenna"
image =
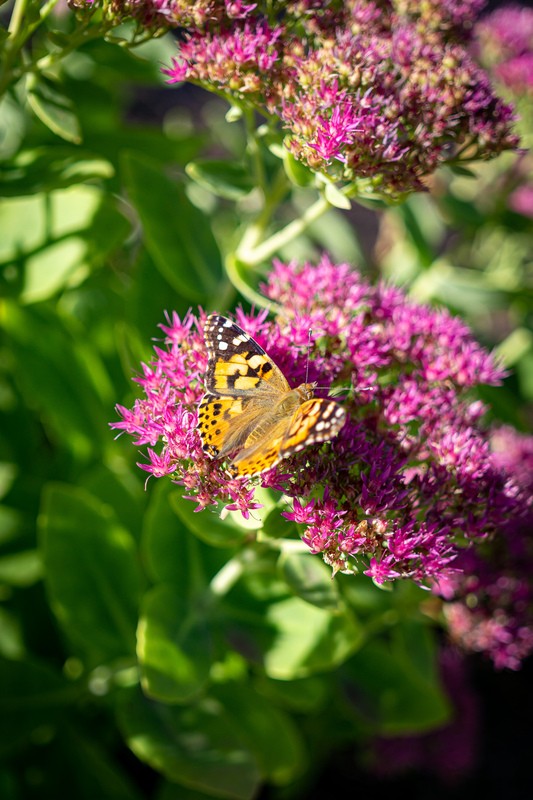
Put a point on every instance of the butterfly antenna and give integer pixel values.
(308, 351)
(337, 389)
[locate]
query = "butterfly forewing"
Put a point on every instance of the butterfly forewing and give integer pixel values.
(237, 364)
(249, 410)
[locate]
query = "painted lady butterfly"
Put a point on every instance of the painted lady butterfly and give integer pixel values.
(249, 412)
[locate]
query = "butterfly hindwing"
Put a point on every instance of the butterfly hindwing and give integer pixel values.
(223, 423)
(316, 420)
(261, 455)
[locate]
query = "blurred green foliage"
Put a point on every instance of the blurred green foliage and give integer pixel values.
(120, 642)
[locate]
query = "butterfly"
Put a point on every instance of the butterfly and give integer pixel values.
(249, 412)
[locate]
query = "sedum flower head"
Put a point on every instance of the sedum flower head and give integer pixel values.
(155, 15)
(410, 482)
(505, 42)
(491, 595)
(375, 93)
(379, 94)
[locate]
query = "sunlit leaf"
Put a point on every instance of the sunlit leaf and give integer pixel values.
(174, 646)
(53, 108)
(310, 579)
(176, 234)
(224, 178)
(48, 168)
(21, 569)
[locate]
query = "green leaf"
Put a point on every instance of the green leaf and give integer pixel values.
(61, 377)
(13, 123)
(165, 539)
(10, 523)
(89, 768)
(306, 695)
(29, 223)
(92, 574)
(43, 169)
(336, 198)
(275, 526)
(296, 639)
(195, 746)
(310, 579)
(424, 227)
(209, 526)
(462, 213)
(270, 733)
(395, 684)
(21, 569)
(517, 345)
(297, 172)
(177, 235)
(50, 241)
(459, 169)
(524, 370)
(53, 108)
(172, 791)
(171, 553)
(32, 696)
(9, 788)
(174, 646)
(121, 491)
(11, 640)
(223, 178)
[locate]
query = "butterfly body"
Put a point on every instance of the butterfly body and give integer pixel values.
(249, 411)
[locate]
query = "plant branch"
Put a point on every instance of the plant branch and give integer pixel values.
(253, 255)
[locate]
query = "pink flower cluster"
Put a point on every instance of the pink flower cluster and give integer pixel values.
(377, 93)
(410, 479)
(505, 43)
(491, 606)
(373, 92)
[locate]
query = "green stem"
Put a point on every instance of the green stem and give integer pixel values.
(15, 23)
(233, 271)
(229, 574)
(251, 254)
(19, 33)
(84, 34)
(253, 149)
(14, 43)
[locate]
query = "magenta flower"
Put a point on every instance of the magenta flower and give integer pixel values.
(156, 14)
(507, 32)
(490, 606)
(376, 94)
(521, 200)
(410, 480)
(234, 60)
(505, 42)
